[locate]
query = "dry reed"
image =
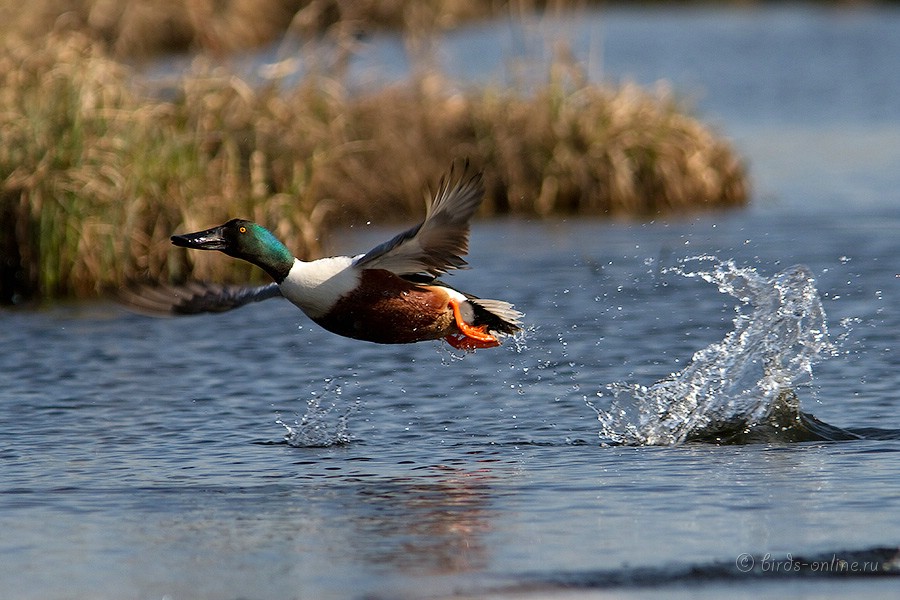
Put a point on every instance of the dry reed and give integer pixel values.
(96, 173)
(142, 28)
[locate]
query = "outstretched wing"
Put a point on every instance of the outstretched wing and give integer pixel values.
(194, 297)
(439, 243)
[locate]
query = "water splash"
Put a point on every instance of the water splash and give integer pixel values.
(323, 425)
(743, 381)
(516, 342)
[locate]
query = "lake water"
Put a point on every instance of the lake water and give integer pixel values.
(252, 455)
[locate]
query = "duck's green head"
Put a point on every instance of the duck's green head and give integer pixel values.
(245, 240)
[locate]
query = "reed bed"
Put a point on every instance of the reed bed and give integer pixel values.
(96, 171)
(143, 28)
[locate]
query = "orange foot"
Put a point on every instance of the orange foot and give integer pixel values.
(469, 337)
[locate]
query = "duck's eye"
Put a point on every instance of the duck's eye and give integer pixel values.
(242, 229)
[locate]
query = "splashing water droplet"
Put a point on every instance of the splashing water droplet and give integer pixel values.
(322, 425)
(769, 352)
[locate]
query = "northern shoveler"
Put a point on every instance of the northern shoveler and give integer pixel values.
(389, 295)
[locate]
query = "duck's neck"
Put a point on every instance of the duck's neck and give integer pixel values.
(277, 270)
(276, 260)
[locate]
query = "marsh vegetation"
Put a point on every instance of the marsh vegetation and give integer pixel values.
(98, 168)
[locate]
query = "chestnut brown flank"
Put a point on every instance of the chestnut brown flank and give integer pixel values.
(388, 309)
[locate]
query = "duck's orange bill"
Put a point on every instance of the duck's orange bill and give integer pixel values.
(470, 337)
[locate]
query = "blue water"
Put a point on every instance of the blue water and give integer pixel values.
(253, 455)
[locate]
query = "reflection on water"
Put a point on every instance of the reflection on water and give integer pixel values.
(432, 523)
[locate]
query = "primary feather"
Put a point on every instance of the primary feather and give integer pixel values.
(195, 297)
(438, 243)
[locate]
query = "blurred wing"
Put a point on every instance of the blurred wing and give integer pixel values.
(193, 298)
(439, 243)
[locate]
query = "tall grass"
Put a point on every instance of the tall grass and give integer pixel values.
(142, 28)
(96, 173)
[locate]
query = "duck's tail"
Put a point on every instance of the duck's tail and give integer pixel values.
(497, 315)
(480, 321)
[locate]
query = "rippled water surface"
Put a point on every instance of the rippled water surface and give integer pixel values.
(253, 455)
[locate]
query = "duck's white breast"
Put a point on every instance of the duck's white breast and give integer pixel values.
(315, 286)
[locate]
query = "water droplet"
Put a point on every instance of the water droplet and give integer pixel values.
(772, 348)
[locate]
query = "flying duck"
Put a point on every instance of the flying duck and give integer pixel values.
(389, 295)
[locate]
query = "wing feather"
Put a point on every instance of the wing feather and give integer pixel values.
(438, 243)
(194, 297)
